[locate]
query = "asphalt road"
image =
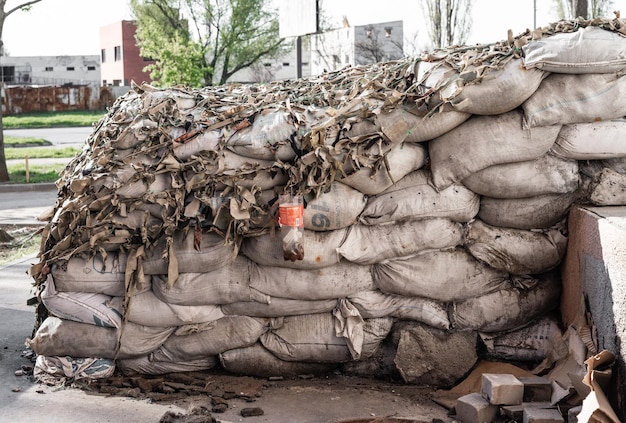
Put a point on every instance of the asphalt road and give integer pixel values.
(62, 137)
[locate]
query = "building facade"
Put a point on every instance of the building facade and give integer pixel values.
(50, 70)
(119, 55)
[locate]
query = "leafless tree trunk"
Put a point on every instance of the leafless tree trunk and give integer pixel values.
(449, 21)
(587, 9)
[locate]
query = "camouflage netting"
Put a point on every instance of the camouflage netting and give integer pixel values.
(436, 195)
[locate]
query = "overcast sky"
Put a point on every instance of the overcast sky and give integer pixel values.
(72, 27)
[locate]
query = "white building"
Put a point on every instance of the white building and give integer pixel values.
(50, 70)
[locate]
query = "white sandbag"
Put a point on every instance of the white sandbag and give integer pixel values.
(516, 251)
(588, 50)
(331, 282)
(204, 141)
(148, 310)
(252, 172)
(225, 285)
(608, 188)
(372, 304)
(413, 197)
(143, 365)
(267, 138)
(484, 141)
(59, 337)
(95, 275)
(562, 99)
(540, 212)
(312, 338)
(46, 368)
(533, 342)
(591, 141)
(369, 244)
(84, 307)
(509, 308)
(220, 335)
(320, 249)
(438, 275)
(498, 91)
(279, 307)
(399, 161)
(156, 183)
(400, 124)
(257, 361)
(547, 174)
(196, 252)
(336, 209)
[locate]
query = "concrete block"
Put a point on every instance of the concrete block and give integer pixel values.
(474, 408)
(502, 389)
(536, 388)
(542, 415)
(516, 412)
(572, 414)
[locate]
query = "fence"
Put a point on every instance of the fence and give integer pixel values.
(29, 99)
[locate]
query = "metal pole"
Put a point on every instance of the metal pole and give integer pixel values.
(534, 14)
(298, 57)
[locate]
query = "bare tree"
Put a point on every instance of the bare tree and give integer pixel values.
(449, 21)
(4, 173)
(587, 9)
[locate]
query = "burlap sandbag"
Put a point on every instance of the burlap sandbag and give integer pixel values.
(588, 50)
(372, 304)
(485, 141)
(608, 142)
(279, 307)
(320, 249)
(540, 212)
(516, 251)
(498, 91)
(148, 310)
(509, 308)
(225, 285)
(399, 161)
(413, 197)
(195, 252)
(547, 174)
(312, 338)
(143, 365)
(336, 209)
(59, 337)
(369, 244)
(257, 361)
(331, 282)
(220, 335)
(94, 309)
(438, 275)
(562, 99)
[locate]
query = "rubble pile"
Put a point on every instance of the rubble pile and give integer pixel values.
(435, 190)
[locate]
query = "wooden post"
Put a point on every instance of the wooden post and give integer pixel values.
(26, 168)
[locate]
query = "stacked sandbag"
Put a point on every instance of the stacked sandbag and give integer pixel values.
(436, 192)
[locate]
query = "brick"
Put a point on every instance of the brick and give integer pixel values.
(536, 388)
(538, 415)
(474, 408)
(502, 389)
(516, 412)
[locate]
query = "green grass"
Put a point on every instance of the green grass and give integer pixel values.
(40, 152)
(52, 119)
(37, 173)
(10, 141)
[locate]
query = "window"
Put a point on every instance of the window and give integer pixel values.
(91, 68)
(48, 69)
(117, 82)
(104, 82)
(347, 59)
(103, 54)
(70, 68)
(305, 63)
(117, 53)
(285, 63)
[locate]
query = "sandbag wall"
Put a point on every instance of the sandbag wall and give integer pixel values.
(437, 191)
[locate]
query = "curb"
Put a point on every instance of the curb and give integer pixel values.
(8, 187)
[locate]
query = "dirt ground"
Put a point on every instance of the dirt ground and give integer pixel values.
(16, 241)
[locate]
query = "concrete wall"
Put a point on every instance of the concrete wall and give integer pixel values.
(594, 280)
(54, 70)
